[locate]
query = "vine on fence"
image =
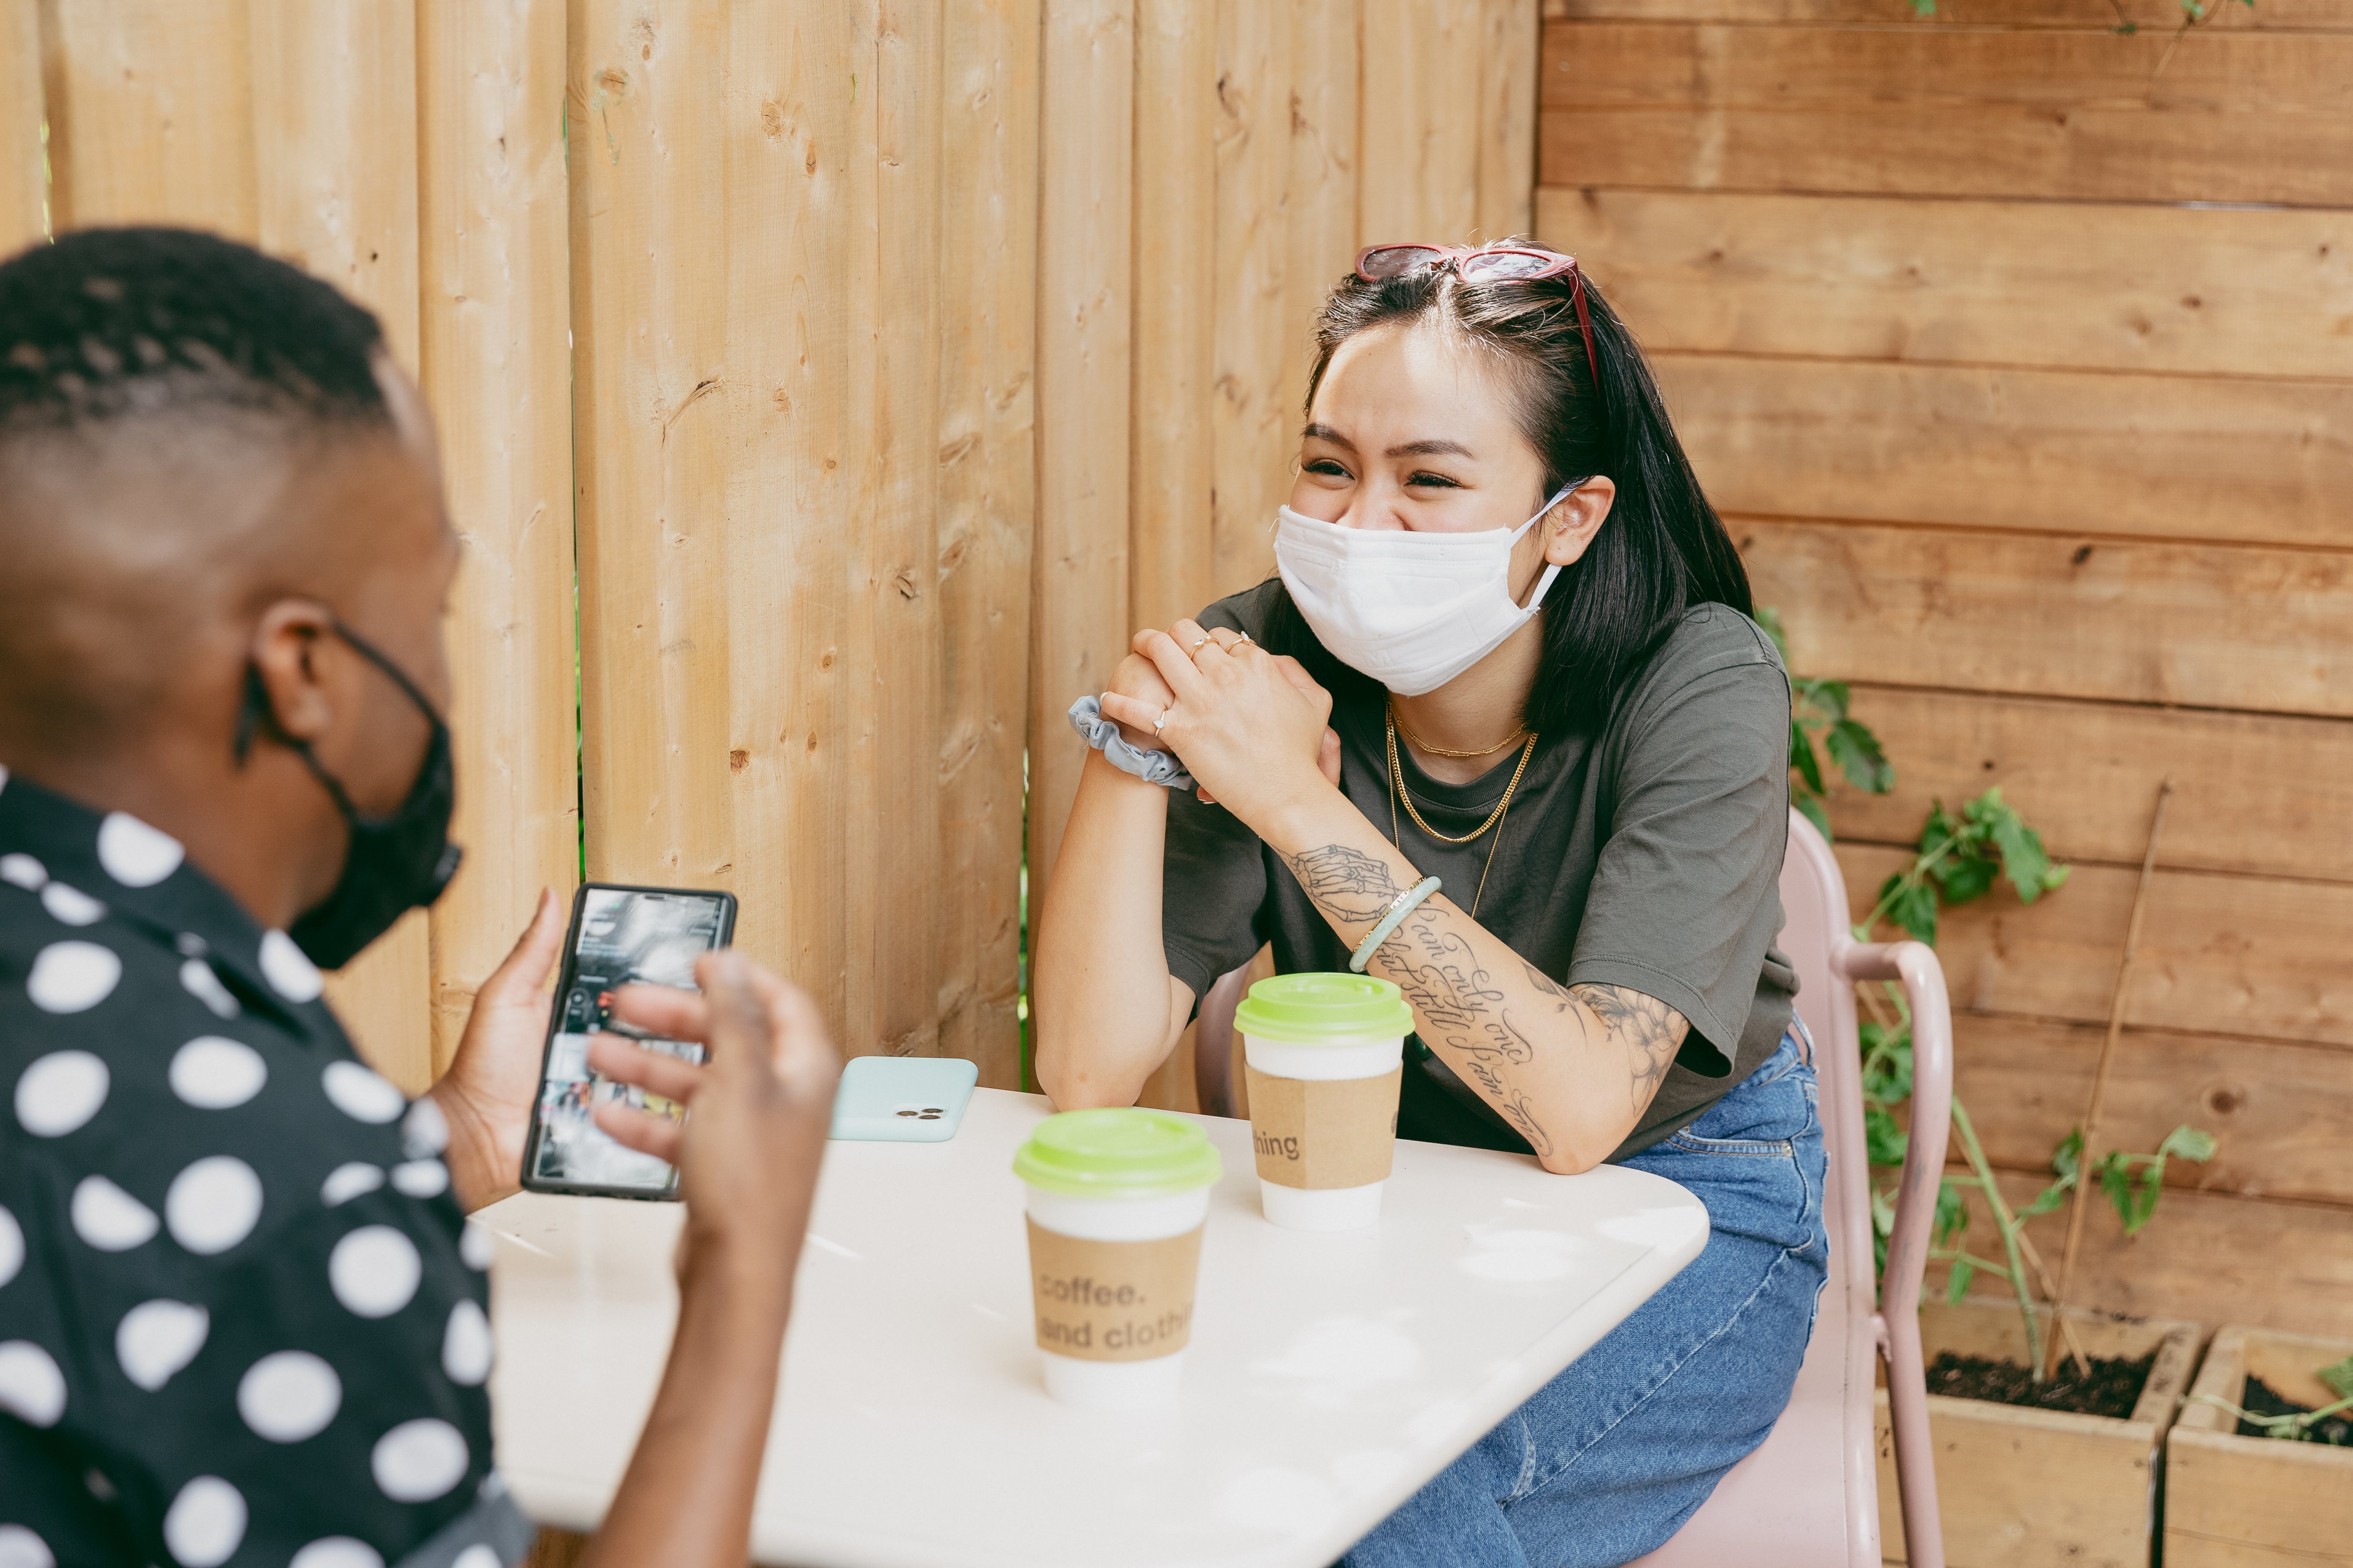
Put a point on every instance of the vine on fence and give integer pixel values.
(1959, 858)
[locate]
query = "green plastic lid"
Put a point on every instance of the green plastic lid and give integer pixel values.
(1117, 1153)
(1322, 1010)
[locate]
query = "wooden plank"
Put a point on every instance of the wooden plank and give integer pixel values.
(889, 910)
(1253, 424)
(2051, 284)
(2249, 461)
(1510, 40)
(2249, 627)
(989, 236)
(494, 317)
(150, 105)
(2205, 1257)
(2219, 954)
(1080, 623)
(2257, 1502)
(1325, 130)
(795, 208)
(24, 162)
(1419, 151)
(336, 154)
(2255, 793)
(650, 331)
(1173, 448)
(2299, 15)
(2278, 1110)
(2212, 116)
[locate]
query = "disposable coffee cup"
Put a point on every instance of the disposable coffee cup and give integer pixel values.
(1324, 1058)
(1116, 1201)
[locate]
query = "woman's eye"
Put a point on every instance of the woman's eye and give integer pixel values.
(1327, 468)
(1437, 481)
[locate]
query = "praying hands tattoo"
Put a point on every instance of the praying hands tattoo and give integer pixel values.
(1458, 1005)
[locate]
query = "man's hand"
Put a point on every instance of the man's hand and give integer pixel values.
(747, 1152)
(487, 1093)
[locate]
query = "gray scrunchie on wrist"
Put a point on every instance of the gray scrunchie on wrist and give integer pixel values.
(1103, 734)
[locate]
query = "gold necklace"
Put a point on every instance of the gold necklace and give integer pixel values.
(1495, 818)
(1419, 744)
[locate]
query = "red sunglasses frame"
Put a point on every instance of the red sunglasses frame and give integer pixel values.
(1455, 254)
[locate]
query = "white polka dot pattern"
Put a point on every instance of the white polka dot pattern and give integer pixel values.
(421, 1178)
(215, 1074)
(20, 1548)
(134, 853)
(289, 1395)
(71, 906)
(32, 1389)
(419, 1460)
(337, 1551)
(109, 1218)
(197, 977)
(423, 1131)
(23, 871)
(477, 1245)
(73, 977)
(478, 1555)
(212, 1206)
(288, 970)
(347, 1181)
(156, 1339)
(361, 1094)
(60, 1092)
(375, 1270)
(205, 1522)
(12, 1245)
(466, 1345)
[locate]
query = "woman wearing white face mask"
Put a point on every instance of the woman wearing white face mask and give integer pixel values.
(1508, 649)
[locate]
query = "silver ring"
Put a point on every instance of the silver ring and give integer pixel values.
(1157, 722)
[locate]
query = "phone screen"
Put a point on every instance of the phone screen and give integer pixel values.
(619, 936)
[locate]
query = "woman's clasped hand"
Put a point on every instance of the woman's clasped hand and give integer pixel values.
(1253, 728)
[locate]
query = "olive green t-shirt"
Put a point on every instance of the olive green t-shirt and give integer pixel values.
(1646, 856)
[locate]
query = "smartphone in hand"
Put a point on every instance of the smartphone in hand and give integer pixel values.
(620, 936)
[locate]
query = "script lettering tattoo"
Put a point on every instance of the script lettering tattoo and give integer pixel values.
(1651, 1031)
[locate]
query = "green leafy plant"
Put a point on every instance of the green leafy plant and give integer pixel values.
(1959, 857)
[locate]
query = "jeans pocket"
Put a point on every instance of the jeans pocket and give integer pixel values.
(1691, 1142)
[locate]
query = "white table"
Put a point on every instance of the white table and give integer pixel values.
(1329, 1376)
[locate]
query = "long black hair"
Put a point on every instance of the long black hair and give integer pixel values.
(1663, 550)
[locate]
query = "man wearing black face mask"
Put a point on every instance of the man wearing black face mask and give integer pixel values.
(242, 1317)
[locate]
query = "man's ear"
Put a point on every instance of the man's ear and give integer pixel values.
(284, 655)
(1570, 527)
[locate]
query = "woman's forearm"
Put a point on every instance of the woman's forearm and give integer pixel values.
(1103, 1009)
(686, 1499)
(1572, 1069)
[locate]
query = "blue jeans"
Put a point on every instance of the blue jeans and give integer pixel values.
(1610, 1459)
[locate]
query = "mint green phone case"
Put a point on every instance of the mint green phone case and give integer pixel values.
(902, 1100)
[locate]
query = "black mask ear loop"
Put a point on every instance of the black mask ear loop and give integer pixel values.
(254, 715)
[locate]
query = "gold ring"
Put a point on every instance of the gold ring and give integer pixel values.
(1199, 646)
(1158, 722)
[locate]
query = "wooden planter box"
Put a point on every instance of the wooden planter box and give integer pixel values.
(2040, 1488)
(2252, 1502)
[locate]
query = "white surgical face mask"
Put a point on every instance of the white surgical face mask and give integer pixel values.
(1413, 610)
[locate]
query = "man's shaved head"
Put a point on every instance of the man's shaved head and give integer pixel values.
(188, 429)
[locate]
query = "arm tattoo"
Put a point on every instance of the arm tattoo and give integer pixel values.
(1651, 1031)
(1344, 883)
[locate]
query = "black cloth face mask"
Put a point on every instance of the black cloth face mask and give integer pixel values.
(396, 863)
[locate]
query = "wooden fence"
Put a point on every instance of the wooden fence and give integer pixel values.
(2015, 348)
(873, 369)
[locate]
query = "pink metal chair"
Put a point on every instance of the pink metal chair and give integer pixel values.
(1809, 1496)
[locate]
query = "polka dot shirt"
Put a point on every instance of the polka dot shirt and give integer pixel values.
(242, 1319)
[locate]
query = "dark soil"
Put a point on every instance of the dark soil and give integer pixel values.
(2260, 1400)
(2110, 1388)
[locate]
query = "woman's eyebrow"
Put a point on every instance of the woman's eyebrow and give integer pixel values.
(1430, 449)
(1316, 430)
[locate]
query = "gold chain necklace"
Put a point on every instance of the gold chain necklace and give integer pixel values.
(1513, 739)
(1495, 818)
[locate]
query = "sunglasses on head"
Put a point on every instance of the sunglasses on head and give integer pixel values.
(1486, 264)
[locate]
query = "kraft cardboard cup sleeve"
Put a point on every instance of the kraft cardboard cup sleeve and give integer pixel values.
(1116, 1203)
(1325, 1060)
